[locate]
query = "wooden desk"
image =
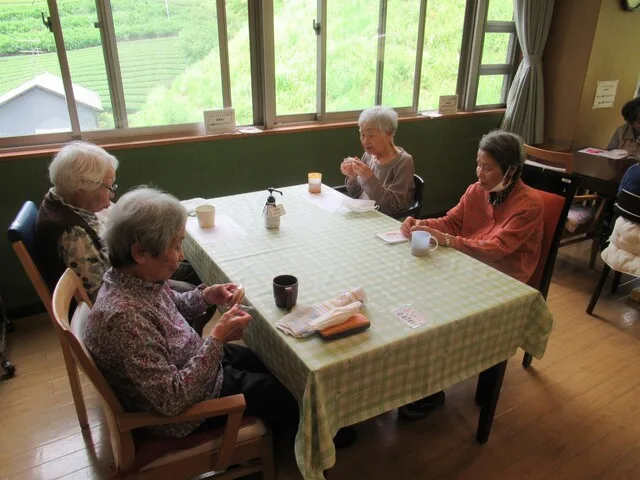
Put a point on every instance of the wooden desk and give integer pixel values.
(600, 174)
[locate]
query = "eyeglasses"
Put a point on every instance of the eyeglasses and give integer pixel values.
(111, 188)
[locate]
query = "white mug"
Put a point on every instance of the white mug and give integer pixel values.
(420, 243)
(206, 215)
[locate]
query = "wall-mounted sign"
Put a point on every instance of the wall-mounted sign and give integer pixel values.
(605, 94)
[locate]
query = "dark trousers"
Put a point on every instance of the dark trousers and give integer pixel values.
(264, 395)
(184, 279)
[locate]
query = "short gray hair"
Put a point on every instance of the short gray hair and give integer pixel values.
(145, 215)
(506, 148)
(79, 165)
(382, 118)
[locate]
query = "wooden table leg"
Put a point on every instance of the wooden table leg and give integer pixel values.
(491, 381)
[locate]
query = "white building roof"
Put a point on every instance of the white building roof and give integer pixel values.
(52, 83)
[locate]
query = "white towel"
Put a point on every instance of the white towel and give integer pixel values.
(304, 321)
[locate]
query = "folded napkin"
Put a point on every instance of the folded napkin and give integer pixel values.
(304, 321)
(359, 205)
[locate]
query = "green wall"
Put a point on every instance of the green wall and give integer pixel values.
(443, 150)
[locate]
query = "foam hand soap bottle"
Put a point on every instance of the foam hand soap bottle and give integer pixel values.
(272, 212)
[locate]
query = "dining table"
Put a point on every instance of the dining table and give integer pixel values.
(473, 318)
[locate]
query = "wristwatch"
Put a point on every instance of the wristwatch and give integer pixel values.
(447, 240)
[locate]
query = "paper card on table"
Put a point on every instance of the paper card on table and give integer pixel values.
(411, 316)
(614, 154)
(225, 229)
(395, 236)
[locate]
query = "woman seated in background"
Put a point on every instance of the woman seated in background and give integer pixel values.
(627, 136)
(68, 230)
(138, 334)
(498, 219)
(623, 251)
(385, 172)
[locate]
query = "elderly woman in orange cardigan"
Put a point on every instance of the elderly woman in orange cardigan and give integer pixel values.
(498, 221)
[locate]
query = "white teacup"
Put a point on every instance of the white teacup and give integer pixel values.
(421, 243)
(206, 215)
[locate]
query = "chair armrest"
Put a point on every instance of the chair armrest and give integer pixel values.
(200, 411)
(582, 198)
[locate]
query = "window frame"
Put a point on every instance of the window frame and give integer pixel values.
(262, 55)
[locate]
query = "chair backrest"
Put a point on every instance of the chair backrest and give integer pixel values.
(22, 235)
(72, 333)
(416, 207)
(561, 160)
(556, 189)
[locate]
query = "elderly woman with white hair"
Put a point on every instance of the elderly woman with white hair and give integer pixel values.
(385, 172)
(67, 228)
(138, 333)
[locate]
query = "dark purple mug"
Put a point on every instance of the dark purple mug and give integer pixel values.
(285, 291)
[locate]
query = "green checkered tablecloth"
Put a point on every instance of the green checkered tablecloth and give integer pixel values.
(479, 316)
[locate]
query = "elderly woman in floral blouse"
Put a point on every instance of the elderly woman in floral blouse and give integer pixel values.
(138, 333)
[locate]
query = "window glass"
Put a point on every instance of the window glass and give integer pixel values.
(400, 52)
(352, 46)
(295, 53)
(441, 55)
(490, 89)
(169, 59)
(495, 49)
(239, 60)
(32, 99)
(500, 10)
(83, 45)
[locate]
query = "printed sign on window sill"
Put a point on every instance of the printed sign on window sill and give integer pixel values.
(219, 121)
(447, 104)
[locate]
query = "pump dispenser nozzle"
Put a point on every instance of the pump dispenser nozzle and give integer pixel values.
(271, 199)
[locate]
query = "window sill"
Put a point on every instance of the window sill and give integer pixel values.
(139, 141)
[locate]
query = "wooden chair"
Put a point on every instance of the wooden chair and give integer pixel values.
(415, 209)
(586, 215)
(557, 190)
(22, 234)
(243, 442)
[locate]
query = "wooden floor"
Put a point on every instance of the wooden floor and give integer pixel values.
(573, 415)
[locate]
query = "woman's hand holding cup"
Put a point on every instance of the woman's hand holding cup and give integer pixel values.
(231, 325)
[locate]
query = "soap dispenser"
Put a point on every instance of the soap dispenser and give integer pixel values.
(272, 212)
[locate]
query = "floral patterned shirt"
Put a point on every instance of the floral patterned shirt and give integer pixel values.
(151, 357)
(79, 253)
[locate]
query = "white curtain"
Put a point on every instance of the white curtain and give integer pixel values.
(525, 102)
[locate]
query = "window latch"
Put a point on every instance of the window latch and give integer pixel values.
(47, 22)
(316, 27)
